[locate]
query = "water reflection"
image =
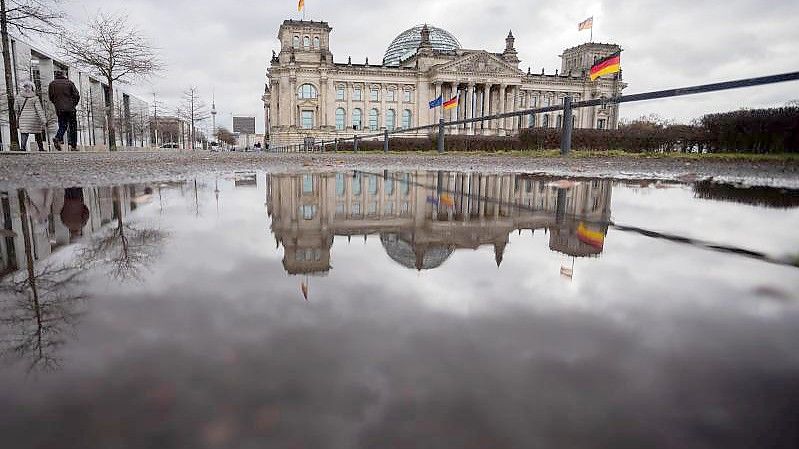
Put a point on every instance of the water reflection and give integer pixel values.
(422, 218)
(41, 295)
(174, 321)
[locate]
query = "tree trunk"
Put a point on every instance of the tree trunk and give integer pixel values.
(12, 113)
(112, 134)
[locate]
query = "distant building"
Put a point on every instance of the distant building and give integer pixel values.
(308, 95)
(422, 218)
(131, 114)
(168, 130)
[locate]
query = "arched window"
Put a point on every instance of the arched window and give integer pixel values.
(296, 42)
(307, 91)
(545, 122)
(306, 42)
(406, 118)
(316, 42)
(356, 118)
(374, 121)
(531, 121)
(559, 121)
(391, 95)
(391, 120)
(340, 118)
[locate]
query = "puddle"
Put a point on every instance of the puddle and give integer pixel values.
(400, 309)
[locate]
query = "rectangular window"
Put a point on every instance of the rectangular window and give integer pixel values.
(357, 94)
(388, 186)
(307, 183)
(391, 95)
(340, 210)
(373, 185)
(406, 96)
(356, 209)
(374, 94)
(340, 95)
(600, 124)
(307, 119)
(373, 208)
(308, 212)
(340, 184)
(356, 185)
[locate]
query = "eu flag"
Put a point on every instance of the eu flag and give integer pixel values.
(437, 102)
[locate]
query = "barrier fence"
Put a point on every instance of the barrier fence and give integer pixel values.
(567, 107)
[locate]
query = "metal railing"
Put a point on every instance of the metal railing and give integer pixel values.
(567, 107)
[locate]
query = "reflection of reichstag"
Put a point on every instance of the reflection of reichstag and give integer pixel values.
(423, 217)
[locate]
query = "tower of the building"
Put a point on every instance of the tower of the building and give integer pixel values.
(510, 54)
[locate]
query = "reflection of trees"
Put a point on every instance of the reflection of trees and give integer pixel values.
(40, 306)
(125, 250)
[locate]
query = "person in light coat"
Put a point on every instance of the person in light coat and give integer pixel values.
(30, 116)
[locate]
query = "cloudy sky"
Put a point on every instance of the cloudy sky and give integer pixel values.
(225, 46)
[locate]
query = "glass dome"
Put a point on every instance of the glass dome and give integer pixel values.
(405, 45)
(400, 250)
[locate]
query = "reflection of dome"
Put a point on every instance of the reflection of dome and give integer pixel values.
(405, 45)
(402, 252)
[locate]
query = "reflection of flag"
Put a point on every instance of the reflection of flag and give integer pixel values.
(606, 66)
(590, 236)
(304, 285)
(447, 200)
(300, 5)
(453, 103)
(437, 102)
(567, 272)
(586, 24)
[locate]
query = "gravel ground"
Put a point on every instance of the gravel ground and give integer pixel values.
(87, 169)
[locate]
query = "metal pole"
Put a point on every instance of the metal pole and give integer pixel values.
(335, 145)
(385, 141)
(566, 134)
(441, 135)
(355, 144)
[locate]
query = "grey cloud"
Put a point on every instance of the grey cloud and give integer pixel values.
(226, 46)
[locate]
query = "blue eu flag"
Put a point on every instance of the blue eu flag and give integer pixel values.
(437, 102)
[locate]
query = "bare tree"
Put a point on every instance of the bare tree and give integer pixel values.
(225, 136)
(115, 50)
(25, 16)
(193, 110)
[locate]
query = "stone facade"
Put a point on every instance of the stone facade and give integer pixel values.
(308, 95)
(423, 217)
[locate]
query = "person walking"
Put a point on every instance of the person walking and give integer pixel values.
(65, 97)
(30, 115)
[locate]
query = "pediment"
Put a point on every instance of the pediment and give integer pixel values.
(480, 63)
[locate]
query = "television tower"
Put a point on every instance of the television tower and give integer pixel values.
(213, 117)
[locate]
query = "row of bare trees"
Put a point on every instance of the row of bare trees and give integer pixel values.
(108, 47)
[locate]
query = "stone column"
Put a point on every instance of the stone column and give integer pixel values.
(293, 100)
(501, 122)
(324, 92)
(438, 93)
(382, 117)
(486, 106)
(348, 112)
(469, 112)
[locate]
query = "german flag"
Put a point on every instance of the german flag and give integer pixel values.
(590, 237)
(606, 66)
(451, 104)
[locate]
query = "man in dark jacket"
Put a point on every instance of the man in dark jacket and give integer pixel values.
(65, 97)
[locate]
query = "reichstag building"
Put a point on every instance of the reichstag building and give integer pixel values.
(309, 96)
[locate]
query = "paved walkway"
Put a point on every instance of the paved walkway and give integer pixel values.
(81, 169)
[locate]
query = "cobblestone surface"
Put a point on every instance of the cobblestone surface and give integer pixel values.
(86, 169)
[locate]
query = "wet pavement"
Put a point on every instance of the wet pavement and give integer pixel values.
(98, 169)
(423, 309)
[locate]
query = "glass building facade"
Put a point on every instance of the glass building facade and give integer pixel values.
(405, 45)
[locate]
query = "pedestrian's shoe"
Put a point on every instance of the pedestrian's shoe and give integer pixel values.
(57, 144)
